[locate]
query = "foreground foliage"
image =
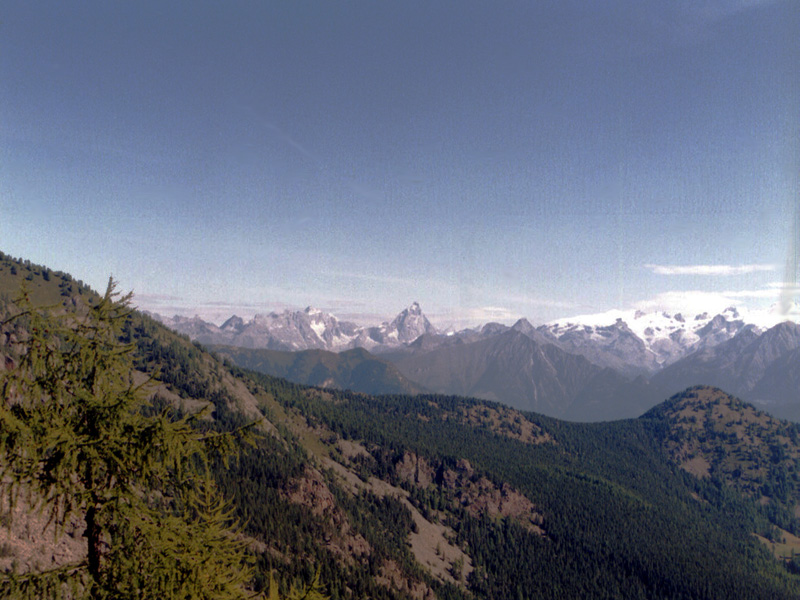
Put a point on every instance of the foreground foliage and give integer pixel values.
(76, 438)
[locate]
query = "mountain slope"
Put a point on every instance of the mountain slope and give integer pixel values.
(440, 497)
(295, 513)
(518, 371)
(614, 346)
(407, 326)
(675, 350)
(714, 435)
(779, 388)
(608, 489)
(355, 369)
(736, 365)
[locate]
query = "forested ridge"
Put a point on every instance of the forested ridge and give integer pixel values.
(438, 496)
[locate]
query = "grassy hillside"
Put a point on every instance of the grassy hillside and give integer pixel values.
(721, 439)
(44, 286)
(438, 496)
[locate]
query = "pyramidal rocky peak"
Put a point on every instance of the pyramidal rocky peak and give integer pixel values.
(409, 325)
(234, 323)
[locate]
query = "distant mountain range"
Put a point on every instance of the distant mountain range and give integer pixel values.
(594, 367)
(758, 367)
(308, 329)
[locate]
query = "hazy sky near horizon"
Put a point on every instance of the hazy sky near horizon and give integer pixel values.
(490, 160)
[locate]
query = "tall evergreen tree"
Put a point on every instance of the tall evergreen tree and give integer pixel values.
(75, 436)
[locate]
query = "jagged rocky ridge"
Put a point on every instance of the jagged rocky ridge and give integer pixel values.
(597, 367)
(632, 342)
(309, 329)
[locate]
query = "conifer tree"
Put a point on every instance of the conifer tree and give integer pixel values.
(75, 438)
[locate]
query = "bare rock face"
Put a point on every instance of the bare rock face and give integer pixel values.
(7, 363)
(614, 346)
(414, 469)
(409, 325)
(391, 576)
(635, 342)
(477, 494)
(31, 542)
(484, 497)
(405, 328)
(311, 491)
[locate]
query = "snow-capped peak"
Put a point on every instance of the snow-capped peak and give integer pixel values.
(667, 336)
(408, 325)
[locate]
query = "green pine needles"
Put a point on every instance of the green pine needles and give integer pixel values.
(76, 441)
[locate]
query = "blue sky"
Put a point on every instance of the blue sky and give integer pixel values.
(488, 159)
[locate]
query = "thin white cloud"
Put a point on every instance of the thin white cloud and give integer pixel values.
(536, 301)
(784, 285)
(283, 135)
(690, 302)
(491, 313)
(459, 318)
(762, 293)
(713, 270)
(156, 298)
(698, 21)
(720, 9)
(697, 301)
(388, 279)
(214, 311)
